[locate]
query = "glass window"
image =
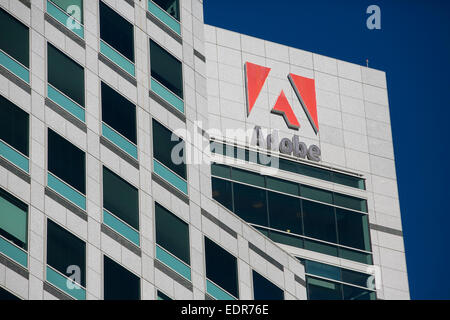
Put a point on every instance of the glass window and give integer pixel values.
(357, 278)
(319, 221)
(163, 146)
(355, 255)
(282, 185)
(64, 250)
(321, 247)
(323, 270)
(263, 289)
(14, 128)
(221, 170)
(120, 198)
(247, 177)
(119, 283)
(313, 172)
(66, 161)
(286, 239)
(116, 31)
(172, 7)
(250, 204)
(285, 213)
(13, 219)
(166, 69)
(353, 229)
(66, 6)
(348, 180)
(353, 293)
(221, 192)
(59, 67)
(14, 38)
(319, 289)
(162, 296)
(172, 233)
(119, 113)
(316, 194)
(221, 267)
(350, 202)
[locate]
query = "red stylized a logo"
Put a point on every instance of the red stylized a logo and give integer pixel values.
(304, 89)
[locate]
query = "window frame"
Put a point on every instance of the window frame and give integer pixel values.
(29, 40)
(183, 86)
(179, 11)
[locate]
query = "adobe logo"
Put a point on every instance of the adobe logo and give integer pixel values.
(304, 89)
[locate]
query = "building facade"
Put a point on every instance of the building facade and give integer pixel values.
(146, 155)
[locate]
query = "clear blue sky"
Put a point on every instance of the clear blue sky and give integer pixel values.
(413, 47)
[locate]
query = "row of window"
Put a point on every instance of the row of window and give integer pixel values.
(287, 165)
(116, 44)
(290, 213)
(66, 253)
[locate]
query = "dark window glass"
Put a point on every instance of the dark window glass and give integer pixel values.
(323, 270)
(319, 221)
(285, 213)
(353, 229)
(120, 198)
(353, 293)
(172, 233)
(348, 180)
(323, 290)
(66, 161)
(221, 267)
(162, 296)
(221, 192)
(220, 170)
(250, 204)
(116, 31)
(14, 38)
(316, 194)
(282, 185)
(14, 126)
(172, 7)
(263, 289)
(66, 4)
(60, 67)
(119, 113)
(162, 148)
(166, 69)
(321, 247)
(13, 219)
(357, 278)
(350, 202)
(7, 296)
(119, 283)
(287, 239)
(313, 172)
(355, 255)
(247, 177)
(64, 250)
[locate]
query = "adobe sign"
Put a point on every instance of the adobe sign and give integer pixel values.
(305, 91)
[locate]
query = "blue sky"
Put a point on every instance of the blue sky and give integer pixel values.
(413, 47)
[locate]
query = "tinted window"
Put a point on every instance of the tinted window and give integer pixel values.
(350, 202)
(221, 267)
(120, 198)
(353, 229)
(323, 270)
(64, 250)
(119, 283)
(13, 219)
(59, 67)
(316, 194)
(250, 204)
(263, 289)
(116, 31)
(172, 7)
(319, 221)
(353, 293)
(221, 192)
(66, 161)
(162, 296)
(14, 125)
(66, 4)
(14, 38)
(282, 185)
(323, 290)
(119, 113)
(247, 177)
(172, 233)
(166, 69)
(220, 170)
(162, 148)
(357, 278)
(285, 213)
